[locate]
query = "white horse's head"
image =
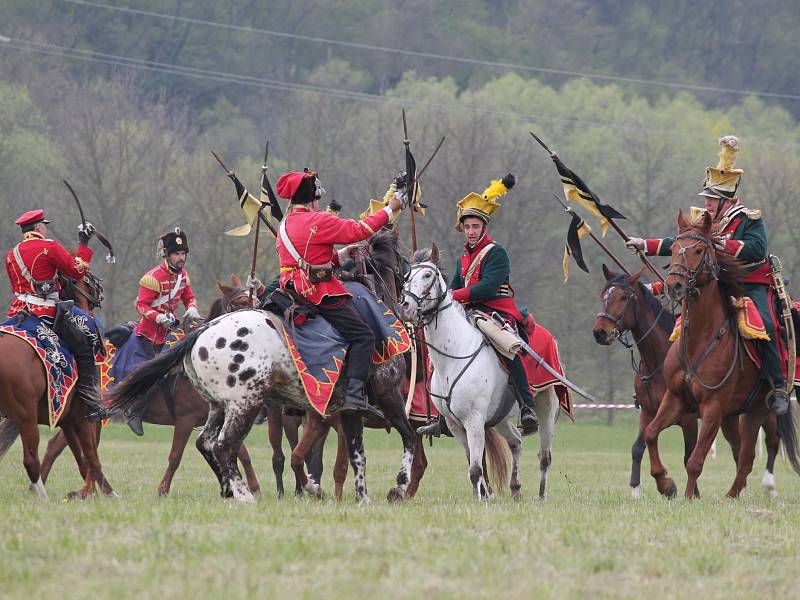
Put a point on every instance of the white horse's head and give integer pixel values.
(425, 287)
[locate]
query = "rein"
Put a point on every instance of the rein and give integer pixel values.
(426, 295)
(707, 264)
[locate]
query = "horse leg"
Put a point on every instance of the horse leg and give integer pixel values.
(749, 424)
(291, 427)
(205, 444)
(314, 458)
(247, 464)
(476, 443)
(688, 424)
(275, 437)
(546, 411)
(237, 424)
(29, 434)
(394, 409)
(86, 433)
(55, 446)
(180, 437)
(711, 419)
(312, 432)
(340, 466)
(668, 412)
(353, 429)
(773, 443)
(730, 430)
(418, 467)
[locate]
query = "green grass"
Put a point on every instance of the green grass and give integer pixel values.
(589, 540)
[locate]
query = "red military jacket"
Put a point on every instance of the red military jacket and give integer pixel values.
(160, 291)
(43, 259)
(313, 234)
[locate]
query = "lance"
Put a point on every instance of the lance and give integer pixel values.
(232, 175)
(614, 225)
(435, 152)
(110, 258)
(258, 230)
(568, 211)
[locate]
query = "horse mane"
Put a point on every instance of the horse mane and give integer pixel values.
(383, 249)
(215, 310)
(731, 270)
(425, 255)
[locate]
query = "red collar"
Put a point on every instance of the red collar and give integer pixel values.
(32, 235)
(484, 241)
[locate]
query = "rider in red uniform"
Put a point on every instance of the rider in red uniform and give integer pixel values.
(307, 257)
(33, 266)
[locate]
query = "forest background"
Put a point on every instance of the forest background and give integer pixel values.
(126, 100)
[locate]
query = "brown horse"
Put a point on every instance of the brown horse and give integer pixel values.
(629, 307)
(706, 369)
(24, 403)
(175, 402)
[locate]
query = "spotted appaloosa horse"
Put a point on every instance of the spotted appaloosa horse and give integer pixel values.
(23, 402)
(628, 306)
(706, 369)
(174, 401)
(238, 360)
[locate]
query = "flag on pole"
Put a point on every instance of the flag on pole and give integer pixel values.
(576, 232)
(269, 199)
(576, 190)
(250, 206)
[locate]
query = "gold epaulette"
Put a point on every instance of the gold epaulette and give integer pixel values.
(149, 282)
(188, 279)
(753, 214)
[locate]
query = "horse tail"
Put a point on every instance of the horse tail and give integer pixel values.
(8, 434)
(788, 433)
(149, 373)
(496, 457)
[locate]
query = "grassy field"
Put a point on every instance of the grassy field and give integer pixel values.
(589, 540)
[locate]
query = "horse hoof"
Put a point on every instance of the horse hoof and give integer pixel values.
(162, 493)
(516, 495)
(314, 490)
(636, 492)
(114, 495)
(396, 495)
(672, 490)
(364, 500)
(72, 496)
(696, 493)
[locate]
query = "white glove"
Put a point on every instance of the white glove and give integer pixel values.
(253, 282)
(191, 314)
(398, 201)
(634, 244)
(85, 233)
(346, 253)
(166, 319)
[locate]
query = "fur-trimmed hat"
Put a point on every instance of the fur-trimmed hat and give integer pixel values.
(173, 241)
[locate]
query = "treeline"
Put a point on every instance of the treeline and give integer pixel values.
(140, 161)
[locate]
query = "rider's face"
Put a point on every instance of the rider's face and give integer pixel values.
(177, 259)
(715, 206)
(473, 230)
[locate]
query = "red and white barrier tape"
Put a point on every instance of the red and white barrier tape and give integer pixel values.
(603, 406)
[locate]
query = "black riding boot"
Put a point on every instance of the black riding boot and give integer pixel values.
(778, 401)
(87, 388)
(519, 379)
(356, 401)
(135, 413)
(438, 426)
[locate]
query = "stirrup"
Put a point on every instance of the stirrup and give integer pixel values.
(778, 401)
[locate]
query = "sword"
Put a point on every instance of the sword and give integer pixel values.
(786, 315)
(540, 361)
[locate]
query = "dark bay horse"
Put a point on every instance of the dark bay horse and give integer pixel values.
(627, 306)
(707, 370)
(175, 402)
(24, 403)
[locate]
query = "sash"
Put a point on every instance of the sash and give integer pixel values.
(290, 246)
(44, 299)
(476, 261)
(167, 297)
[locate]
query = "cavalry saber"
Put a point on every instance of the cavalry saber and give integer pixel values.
(568, 210)
(110, 258)
(540, 361)
(261, 216)
(625, 237)
(251, 292)
(435, 152)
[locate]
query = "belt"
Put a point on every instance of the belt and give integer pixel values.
(288, 269)
(49, 300)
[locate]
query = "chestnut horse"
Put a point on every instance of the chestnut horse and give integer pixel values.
(24, 403)
(175, 402)
(707, 370)
(629, 306)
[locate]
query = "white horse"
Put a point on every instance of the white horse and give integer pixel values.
(469, 386)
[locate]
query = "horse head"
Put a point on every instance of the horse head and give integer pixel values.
(87, 292)
(234, 296)
(425, 288)
(620, 300)
(693, 264)
(385, 262)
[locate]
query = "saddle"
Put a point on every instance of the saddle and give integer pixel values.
(505, 343)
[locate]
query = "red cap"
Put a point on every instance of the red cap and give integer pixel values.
(288, 184)
(31, 217)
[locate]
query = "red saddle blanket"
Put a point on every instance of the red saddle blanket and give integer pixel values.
(545, 345)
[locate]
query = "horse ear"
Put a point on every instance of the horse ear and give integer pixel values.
(235, 280)
(435, 254)
(682, 222)
(707, 222)
(635, 277)
(224, 289)
(607, 273)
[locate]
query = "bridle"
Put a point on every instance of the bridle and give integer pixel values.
(426, 317)
(707, 263)
(616, 320)
(230, 304)
(94, 297)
